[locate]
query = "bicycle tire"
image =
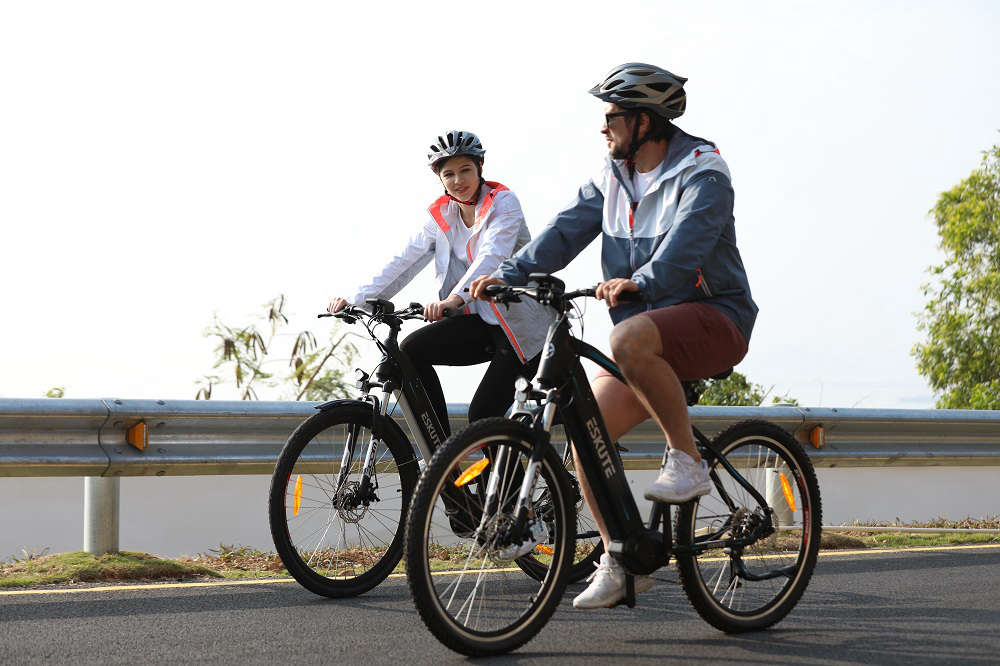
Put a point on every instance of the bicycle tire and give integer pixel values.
(305, 505)
(776, 569)
(515, 608)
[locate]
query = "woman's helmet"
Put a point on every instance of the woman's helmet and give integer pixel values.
(636, 85)
(454, 143)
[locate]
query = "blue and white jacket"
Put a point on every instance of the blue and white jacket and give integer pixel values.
(678, 242)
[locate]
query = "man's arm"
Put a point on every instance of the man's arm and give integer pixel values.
(704, 210)
(565, 237)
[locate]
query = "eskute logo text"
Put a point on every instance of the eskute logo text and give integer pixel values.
(594, 431)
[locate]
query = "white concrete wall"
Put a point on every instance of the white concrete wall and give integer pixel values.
(173, 516)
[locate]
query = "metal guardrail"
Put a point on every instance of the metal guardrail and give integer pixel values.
(61, 437)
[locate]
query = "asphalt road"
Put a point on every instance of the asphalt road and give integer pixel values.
(915, 607)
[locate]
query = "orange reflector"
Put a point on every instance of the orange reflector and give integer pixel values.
(138, 435)
(544, 549)
(817, 437)
(297, 500)
(787, 489)
(472, 472)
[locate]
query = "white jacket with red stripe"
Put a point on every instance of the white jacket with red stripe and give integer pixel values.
(499, 231)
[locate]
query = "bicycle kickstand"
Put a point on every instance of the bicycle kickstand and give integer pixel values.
(629, 590)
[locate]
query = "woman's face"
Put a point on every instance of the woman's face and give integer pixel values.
(460, 177)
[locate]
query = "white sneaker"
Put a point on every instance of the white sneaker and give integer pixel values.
(537, 534)
(607, 585)
(681, 480)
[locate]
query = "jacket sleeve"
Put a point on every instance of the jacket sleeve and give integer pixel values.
(496, 241)
(704, 210)
(402, 267)
(566, 236)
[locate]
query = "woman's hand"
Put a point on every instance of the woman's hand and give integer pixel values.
(609, 290)
(435, 311)
(336, 305)
(477, 289)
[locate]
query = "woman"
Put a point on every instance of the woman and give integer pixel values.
(468, 232)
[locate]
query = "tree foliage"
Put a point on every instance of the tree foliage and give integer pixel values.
(736, 391)
(310, 371)
(961, 355)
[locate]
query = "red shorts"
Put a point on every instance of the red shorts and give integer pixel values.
(699, 341)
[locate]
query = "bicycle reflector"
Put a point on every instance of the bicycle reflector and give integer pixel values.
(138, 435)
(297, 498)
(544, 549)
(787, 489)
(472, 472)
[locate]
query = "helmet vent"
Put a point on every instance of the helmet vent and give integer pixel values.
(659, 86)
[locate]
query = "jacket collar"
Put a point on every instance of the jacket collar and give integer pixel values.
(681, 153)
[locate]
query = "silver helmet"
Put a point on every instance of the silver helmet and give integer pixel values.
(453, 143)
(636, 85)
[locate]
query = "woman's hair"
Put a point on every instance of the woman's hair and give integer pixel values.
(478, 161)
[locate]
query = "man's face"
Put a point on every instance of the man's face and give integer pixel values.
(617, 129)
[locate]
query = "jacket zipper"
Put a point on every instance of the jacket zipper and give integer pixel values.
(703, 283)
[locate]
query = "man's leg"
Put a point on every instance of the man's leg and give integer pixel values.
(637, 347)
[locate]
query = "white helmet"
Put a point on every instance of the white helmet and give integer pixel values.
(636, 85)
(454, 143)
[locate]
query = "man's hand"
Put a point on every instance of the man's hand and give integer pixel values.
(609, 291)
(477, 290)
(336, 305)
(435, 311)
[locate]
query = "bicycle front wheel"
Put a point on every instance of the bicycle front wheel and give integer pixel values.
(738, 573)
(338, 500)
(465, 586)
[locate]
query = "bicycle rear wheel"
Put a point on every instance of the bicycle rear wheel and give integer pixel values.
(337, 527)
(466, 589)
(738, 574)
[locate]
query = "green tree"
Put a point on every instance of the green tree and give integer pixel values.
(247, 353)
(736, 390)
(961, 355)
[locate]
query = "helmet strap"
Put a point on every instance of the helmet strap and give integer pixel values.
(635, 145)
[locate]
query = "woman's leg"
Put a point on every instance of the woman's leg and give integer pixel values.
(496, 389)
(459, 340)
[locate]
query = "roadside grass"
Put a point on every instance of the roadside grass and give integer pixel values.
(35, 569)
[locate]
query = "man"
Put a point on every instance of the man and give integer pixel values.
(664, 205)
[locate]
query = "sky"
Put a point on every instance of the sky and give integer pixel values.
(165, 163)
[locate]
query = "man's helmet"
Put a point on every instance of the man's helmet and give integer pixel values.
(453, 143)
(636, 85)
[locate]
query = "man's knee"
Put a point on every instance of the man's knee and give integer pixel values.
(634, 339)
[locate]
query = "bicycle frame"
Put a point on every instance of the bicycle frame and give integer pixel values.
(566, 389)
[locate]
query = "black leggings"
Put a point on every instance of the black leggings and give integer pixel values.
(467, 340)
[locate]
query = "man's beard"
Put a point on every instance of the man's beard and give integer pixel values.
(618, 152)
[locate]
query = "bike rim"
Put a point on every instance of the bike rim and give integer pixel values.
(478, 593)
(773, 565)
(341, 526)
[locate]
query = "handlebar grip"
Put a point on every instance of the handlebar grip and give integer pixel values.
(495, 289)
(629, 297)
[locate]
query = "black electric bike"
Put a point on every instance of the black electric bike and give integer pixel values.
(343, 481)
(745, 552)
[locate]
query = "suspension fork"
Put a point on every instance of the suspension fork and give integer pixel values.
(379, 410)
(522, 507)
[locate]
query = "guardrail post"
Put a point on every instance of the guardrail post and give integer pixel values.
(100, 514)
